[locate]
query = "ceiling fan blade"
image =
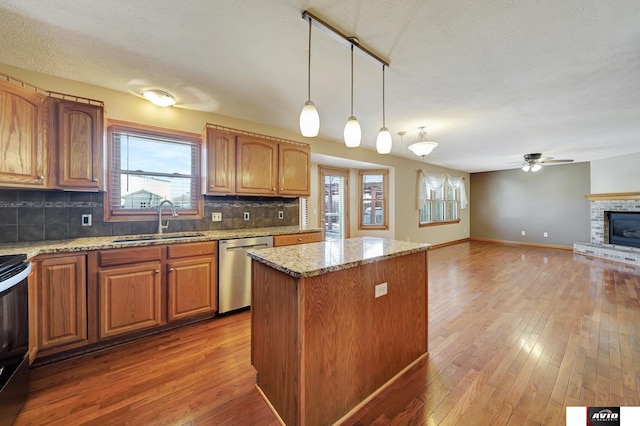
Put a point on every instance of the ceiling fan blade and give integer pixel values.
(556, 161)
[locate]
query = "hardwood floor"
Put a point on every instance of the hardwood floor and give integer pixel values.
(516, 334)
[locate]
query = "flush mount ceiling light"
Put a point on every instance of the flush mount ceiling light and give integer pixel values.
(309, 117)
(383, 142)
(352, 131)
(423, 147)
(159, 97)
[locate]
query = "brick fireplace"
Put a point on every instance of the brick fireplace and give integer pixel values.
(599, 245)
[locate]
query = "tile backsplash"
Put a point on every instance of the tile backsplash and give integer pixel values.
(35, 215)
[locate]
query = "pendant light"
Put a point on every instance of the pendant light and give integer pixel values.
(383, 142)
(423, 147)
(352, 132)
(309, 118)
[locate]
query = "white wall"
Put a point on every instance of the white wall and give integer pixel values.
(616, 174)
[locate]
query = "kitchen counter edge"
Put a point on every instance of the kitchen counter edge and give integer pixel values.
(36, 248)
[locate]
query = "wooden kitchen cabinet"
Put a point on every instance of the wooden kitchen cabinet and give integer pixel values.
(79, 142)
(256, 166)
(129, 290)
(192, 280)
(219, 163)
(294, 169)
(23, 137)
(130, 299)
(291, 239)
(62, 301)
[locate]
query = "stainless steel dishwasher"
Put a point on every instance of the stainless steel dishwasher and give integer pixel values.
(234, 271)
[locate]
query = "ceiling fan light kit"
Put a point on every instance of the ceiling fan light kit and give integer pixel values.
(533, 162)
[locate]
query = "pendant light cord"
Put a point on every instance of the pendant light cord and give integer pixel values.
(383, 118)
(352, 79)
(309, 66)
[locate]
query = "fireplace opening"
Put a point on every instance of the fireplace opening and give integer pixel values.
(624, 228)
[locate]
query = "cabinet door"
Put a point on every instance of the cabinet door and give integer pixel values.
(23, 136)
(130, 299)
(62, 299)
(192, 287)
(80, 143)
(256, 166)
(219, 163)
(294, 169)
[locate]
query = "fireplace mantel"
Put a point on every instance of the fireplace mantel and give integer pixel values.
(614, 196)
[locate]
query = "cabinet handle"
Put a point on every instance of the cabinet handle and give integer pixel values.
(299, 239)
(273, 189)
(171, 269)
(157, 271)
(40, 177)
(94, 179)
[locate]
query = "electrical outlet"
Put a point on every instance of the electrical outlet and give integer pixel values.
(85, 219)
(545, 234)
(280, 215)
(246, 215)
(380, 290)
(216, 217)
(524, 233)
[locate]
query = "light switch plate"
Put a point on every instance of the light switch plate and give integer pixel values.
(280, 215)
(216, 217)
(85, 220)
(246, 215)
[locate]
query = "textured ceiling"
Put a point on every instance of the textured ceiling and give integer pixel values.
(490, 80)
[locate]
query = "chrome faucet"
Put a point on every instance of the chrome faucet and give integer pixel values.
(174, 213)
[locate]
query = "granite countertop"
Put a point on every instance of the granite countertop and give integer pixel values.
(309, 260)
(35, 248)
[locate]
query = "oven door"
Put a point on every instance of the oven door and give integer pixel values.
(14, 344)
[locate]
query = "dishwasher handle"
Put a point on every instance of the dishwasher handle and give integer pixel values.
(246, 247)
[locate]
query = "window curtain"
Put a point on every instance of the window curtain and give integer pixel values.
(427, 182)
(458, 183)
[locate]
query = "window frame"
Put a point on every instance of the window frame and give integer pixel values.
(433, 202)
(112, 214)
(385, 199)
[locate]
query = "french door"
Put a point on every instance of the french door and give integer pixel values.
(334, 202)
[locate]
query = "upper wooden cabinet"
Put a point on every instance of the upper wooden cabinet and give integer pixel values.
(294, 169)
(248, 164)
(256, 166)
(23, 137)
(79, 145)
(219, 161)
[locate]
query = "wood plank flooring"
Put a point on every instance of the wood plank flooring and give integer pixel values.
(516, 334)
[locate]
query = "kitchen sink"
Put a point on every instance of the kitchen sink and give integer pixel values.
(157, 237)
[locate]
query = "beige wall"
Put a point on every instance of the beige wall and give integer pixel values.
(616, 174)
(404, 216)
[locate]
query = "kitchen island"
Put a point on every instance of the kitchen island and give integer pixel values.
(333, 322)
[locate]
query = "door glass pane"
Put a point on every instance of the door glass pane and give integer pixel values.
(334, 207)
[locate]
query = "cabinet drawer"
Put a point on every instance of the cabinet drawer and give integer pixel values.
(124, 256)
(290, 239)
(175, 251)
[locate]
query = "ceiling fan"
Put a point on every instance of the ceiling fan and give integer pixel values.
(535, 161)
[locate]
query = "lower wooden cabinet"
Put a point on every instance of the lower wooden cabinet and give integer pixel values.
(130, 299)
(192, 289)
(291, 239)
(62, 301)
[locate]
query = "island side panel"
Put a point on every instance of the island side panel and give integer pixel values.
(353, 342)
(275, 339)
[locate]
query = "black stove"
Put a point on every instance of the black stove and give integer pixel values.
(11, 265)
